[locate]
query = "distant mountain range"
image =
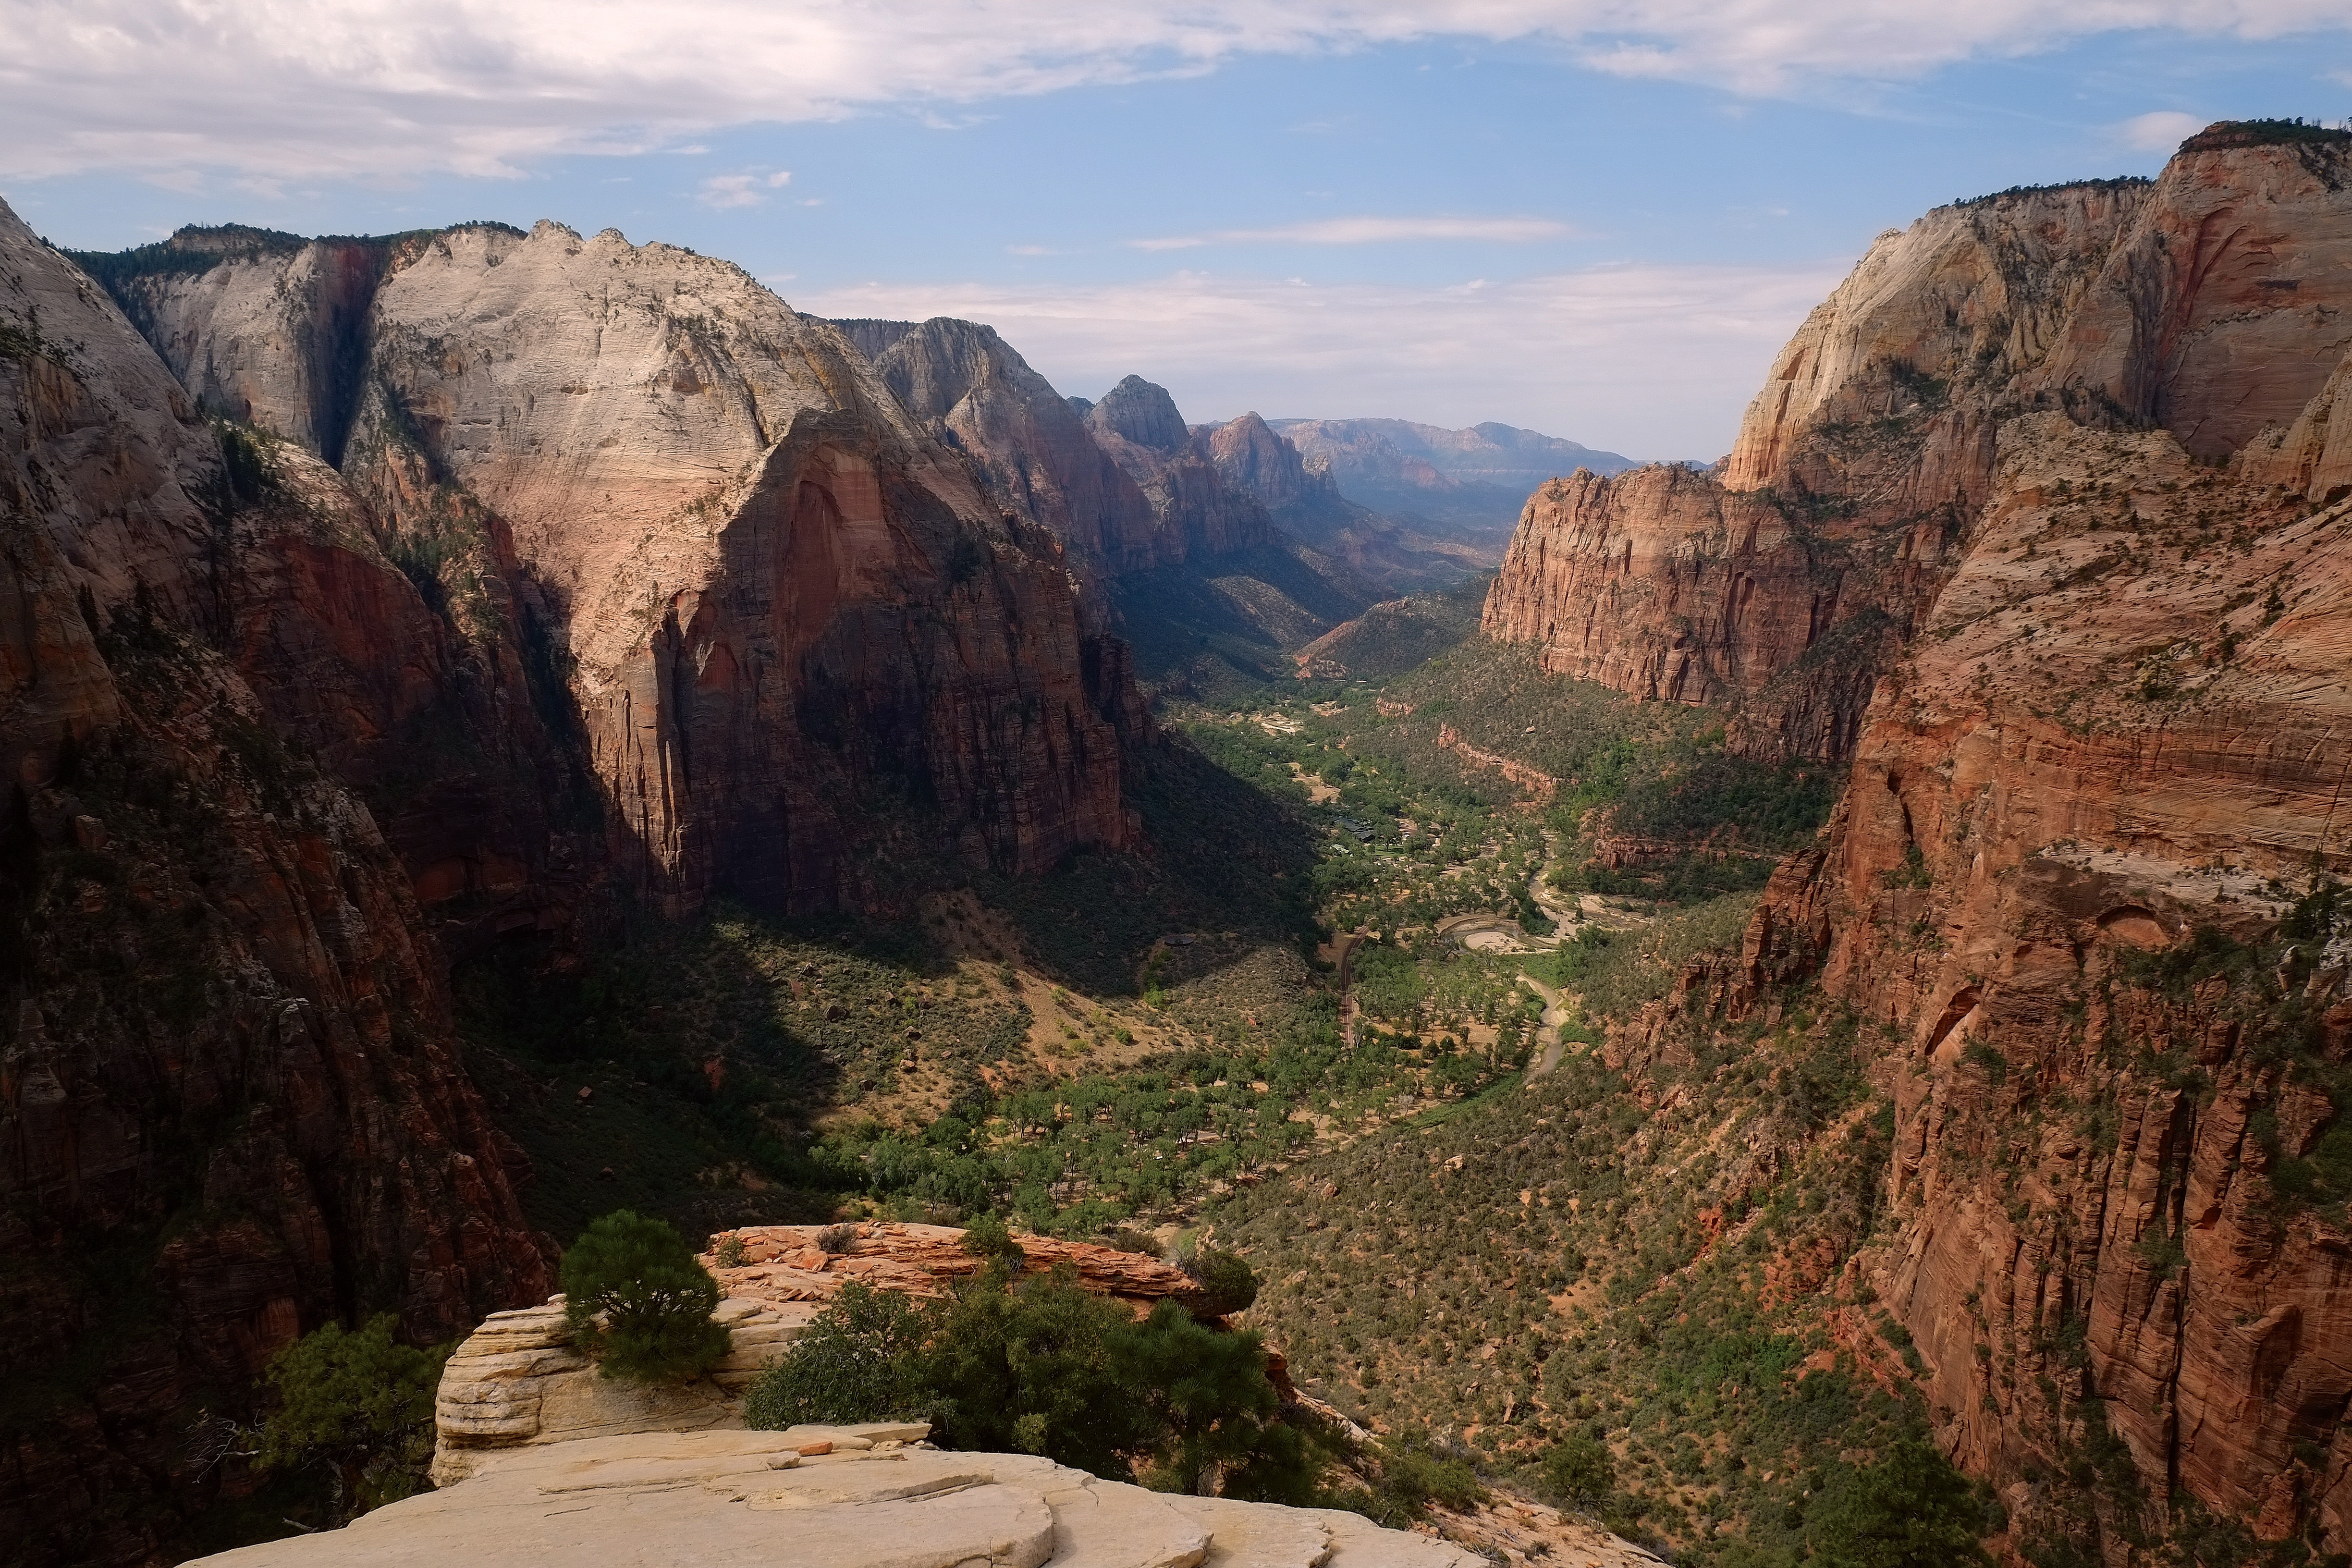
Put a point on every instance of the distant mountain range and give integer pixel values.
(1477, 479)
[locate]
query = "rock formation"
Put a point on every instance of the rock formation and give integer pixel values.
(1034, 453)
(833, 1498)
(532, 564)
(230, 1102)
(518, 1381)
(765, 600)
(2089, 789)
(2208, 302)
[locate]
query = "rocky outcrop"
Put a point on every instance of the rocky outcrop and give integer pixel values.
(231, 1106)
(1665, 585)
(756, 600)
(518, 1380)
(2098, 749)
(2208, 302)
(788, 1263)
(1202, 514)
(833, 1498)
(1033, 452)
(1779, 586)
(2091, 755)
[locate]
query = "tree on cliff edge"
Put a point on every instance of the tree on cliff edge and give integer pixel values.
(639, 1302)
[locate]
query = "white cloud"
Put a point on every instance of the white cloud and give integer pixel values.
(724, 191)
(1649, 361)
(1368, 231)
(353, 87)
(2159, 132)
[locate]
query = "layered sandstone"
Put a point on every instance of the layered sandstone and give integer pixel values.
(758, 595)
(1202, 514)
(1778, 585)
(834, 1498)
(2209, 302)
(2110, 736)
(230, 1102)
(1034, 451)
(2088, 790)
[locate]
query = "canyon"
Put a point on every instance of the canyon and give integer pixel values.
(392, 609)
(2039, 526)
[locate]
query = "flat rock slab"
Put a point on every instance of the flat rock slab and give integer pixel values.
(733, 1499)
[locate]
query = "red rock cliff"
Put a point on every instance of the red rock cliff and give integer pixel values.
(774, 619)
(230, 1102)
(2068, 882)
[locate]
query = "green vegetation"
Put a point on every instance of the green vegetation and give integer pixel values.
(1910, 1510)
(1228, 1284)
(357, 1406)
(1590, 1268)
(639, 1301)
(1038, 1364)
(857, 1362)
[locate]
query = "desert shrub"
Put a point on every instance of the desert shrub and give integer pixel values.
(1580, 1470)
(1032, 1367)
(1224, 1278)
(1411, 1472)
(989, 1237)
(1208, 1394)
(836, 1238)
(639, 1302)
(857, 1362)
(727, 1252)
(1911, 1510)
(357, 1404)
(1041, 1365)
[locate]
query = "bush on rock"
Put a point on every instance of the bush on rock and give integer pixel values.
(639, 1302)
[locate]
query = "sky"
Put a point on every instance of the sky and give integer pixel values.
(1595, 218)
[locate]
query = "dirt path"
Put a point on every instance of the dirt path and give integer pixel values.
(1547, 1042)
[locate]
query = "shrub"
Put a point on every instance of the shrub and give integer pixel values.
(1911, 1510)
(727, 1252)
(989, 1237)
(853, 1362)
(639, 1278)
(1031, 1368)
(1040, 1365)
(359, 1405)
(836, 1238)
(1580, 1470)
(1225, 1279)
(1207, 1393)
(1412, 1474)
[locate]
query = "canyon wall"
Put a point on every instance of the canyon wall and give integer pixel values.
(2209, 302)
(702, 555)
(2080, 881)
(231, 1106)
(385, 598)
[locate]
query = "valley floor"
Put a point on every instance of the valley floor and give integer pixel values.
(1540, 1240)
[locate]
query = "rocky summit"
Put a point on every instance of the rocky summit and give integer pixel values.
(1795, 1003)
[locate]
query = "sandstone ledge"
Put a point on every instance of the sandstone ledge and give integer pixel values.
(718, 1500)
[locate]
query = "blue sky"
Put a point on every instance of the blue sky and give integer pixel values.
(1603, 235)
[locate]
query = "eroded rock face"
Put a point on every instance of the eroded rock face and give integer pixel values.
(1034, 452)
(865, 1501)
(2091, 727)
(1203, 512)
(769, 614)
(1780, 586)
(2104, 734)
(230, 1104)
